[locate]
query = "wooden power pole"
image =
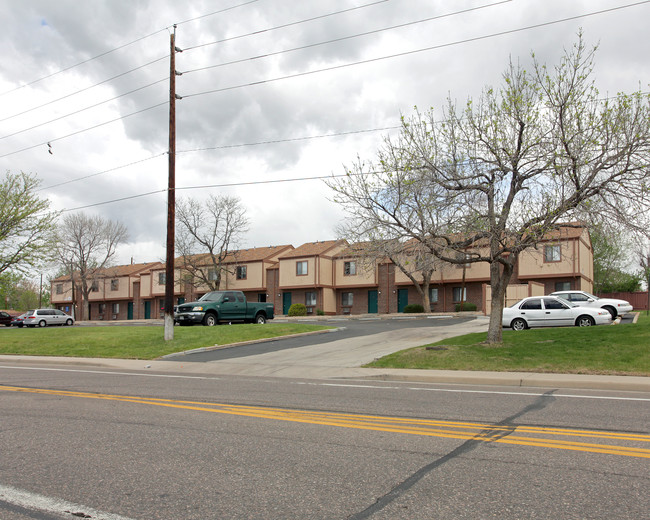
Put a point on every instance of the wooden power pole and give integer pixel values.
(171, 196)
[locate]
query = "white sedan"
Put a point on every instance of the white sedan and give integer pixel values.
(551, 311)
(584, 299)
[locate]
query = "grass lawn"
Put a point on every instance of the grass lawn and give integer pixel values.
(613, 350)
(134, 342)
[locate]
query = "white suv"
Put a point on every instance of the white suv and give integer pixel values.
(584, 299)
(43, 317)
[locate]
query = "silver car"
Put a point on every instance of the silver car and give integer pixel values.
(43, 317)
(551, 311)
(584, 299)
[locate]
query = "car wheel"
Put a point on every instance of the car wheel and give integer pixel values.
(210, 320)
(260, 319)
(611, 310)
(42, 323)
(519, 324)
(68, 322)
(585, 321)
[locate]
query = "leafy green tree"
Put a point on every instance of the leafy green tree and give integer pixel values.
(492, 178)
(26, 224)
(611, 256)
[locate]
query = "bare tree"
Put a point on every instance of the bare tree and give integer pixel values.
(494, 177)
(206, 234)
(85, 246)
(26, 224)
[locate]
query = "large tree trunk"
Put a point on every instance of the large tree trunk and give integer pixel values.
(499, 279)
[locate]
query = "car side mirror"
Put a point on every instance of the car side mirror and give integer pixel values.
(590, 300)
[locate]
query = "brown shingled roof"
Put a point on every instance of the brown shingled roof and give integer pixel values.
(314, 249)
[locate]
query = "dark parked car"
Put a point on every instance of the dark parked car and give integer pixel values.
(17, 321)
(5, 318)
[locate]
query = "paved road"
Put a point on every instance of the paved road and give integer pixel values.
(170, 445)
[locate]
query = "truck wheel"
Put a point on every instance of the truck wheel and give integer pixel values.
(260, 319)
(210, 320)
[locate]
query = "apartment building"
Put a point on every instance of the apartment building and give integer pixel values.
(330, 277)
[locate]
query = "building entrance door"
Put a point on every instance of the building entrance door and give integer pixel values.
(402, 299)
(372, 301)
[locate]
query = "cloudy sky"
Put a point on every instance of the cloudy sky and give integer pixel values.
(275, 94)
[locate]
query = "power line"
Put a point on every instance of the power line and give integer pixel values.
(82, 62)
(70, 67)
(415, 51)
(215, 12)
(283, 26)
(358, 35)
(82, 110)
(84, 89)
(226, 185)
(44, 143)
(102, 172)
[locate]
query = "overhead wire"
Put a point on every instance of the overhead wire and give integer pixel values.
(414, 51)
(105, 53)
(344, 38)
(347, 65)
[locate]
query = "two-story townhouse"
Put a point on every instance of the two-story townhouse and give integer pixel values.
(306, 275)
(111, 296)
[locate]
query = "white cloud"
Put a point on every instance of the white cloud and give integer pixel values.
(42, 37)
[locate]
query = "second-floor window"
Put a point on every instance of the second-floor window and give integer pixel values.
(212, 274)
(349, 268)
(552, 253)
(162, 278)
(115, 285)
(94, 287)
(301, 268)
(59, 288)
(241, 272)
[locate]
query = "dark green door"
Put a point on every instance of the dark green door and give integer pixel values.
(129, 311)
(286, 302)
(372, 301)
(402, 299)
(147, 310)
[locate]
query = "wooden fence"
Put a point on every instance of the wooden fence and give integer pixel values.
(639, 300)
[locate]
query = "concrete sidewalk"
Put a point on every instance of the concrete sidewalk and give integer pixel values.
(343, 359)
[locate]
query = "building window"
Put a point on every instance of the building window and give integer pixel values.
(102, 308)
(241, 272)
(212, 275)
(562, 286)
(162, 278)
(347, 298)
(552, 253)
(115, 284)
(95, 286)
(116, 308)
(310, 299)
(459, 294)
(433, 294)
(59, 288)
(349, 268)
(301, 268)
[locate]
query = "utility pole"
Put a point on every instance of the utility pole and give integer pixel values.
(171, 196)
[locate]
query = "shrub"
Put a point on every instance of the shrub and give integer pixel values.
(413, 307)
(320, 312)
(466, 306)
(298, 309)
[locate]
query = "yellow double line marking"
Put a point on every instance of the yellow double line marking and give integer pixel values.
(613, 443)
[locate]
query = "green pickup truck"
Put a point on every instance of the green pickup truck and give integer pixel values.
(218, 306)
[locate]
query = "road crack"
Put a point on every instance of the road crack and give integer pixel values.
(504, 428)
